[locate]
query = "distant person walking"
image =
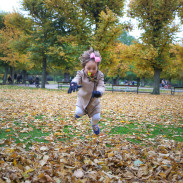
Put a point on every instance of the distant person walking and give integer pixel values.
(9, 80)
(37, 81)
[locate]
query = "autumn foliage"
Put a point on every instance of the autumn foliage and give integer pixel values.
(56, 32)
(141, 138)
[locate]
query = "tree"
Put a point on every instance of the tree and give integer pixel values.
(95, 23)
(120, 61)
(142, 56)
(63, 29)
(173, 69)
(156, 18)
(86, 24)
(42, 35)
(55, 33)
(105, 37)
(125, 38)
(92, 9)
(11, 37)
(72, 36)
(2, 63)
(103, 19)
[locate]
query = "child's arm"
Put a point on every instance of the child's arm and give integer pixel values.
(77, 78)
(74, 85)
(100, 87)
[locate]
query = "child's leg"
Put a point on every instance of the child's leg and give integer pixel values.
(79, 112)
(94, 121)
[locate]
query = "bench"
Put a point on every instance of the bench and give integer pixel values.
(125, 88)
(176, 89)
(62, 83)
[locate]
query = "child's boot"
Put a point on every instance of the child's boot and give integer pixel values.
(96, 129)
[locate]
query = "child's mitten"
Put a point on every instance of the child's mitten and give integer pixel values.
(73, 87)
(96, 94)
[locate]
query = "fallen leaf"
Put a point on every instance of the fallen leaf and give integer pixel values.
(78, 173)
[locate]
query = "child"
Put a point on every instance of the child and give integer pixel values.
(92, 87)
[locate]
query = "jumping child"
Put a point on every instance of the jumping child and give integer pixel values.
(90, 82)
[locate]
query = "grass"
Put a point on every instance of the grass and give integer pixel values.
(150, 131)
(131, 130)
(134, 130)
(36, 134)
(27, 138)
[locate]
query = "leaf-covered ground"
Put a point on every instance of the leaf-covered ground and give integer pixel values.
(141, 138)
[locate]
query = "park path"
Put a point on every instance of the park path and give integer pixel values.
(47, 86)
(55, 86)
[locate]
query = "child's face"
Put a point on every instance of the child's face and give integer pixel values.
(91, 67)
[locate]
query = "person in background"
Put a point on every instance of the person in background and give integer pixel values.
(37, 81)
(9, 79)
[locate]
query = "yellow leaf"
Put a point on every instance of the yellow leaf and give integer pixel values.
(138, 138)
(110, 154)
(87, 162)
(2, 162)
(58, 133)
(30, 170)
(8, 130)
(9, 150)
(163, 175)
(14, 162)
(41, 175)
(105, 168)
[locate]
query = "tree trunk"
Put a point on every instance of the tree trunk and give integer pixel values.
(24, 72)
(66, 77)
(43, 80)
(5, 74)
(115, 81)
(12, 72)
(156, 85)
(143, 82)
(138, 81)
(180, 83)
(170, 81)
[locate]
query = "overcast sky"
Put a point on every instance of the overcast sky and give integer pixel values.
(9, 5)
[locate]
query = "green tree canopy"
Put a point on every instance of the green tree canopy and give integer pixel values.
(125, 38)
(156, 19)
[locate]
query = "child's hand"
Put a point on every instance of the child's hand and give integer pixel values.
(96, 94)
(73, 87)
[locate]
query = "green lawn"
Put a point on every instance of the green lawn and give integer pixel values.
(141, 138)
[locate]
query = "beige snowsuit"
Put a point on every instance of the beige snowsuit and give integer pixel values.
(85, 100)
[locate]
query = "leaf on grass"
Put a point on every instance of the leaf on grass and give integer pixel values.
(44, 148)
(74, 154)
(44, 160)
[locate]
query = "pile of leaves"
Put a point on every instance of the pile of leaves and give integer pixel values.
(40, 141)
